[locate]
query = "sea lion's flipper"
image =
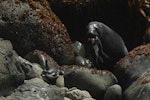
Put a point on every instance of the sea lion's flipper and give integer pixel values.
(101, 52)
(96, 51)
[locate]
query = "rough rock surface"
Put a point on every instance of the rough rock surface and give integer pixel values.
(33, 25)
(36, 89)
(139, 90)
(76, 94)
(11, 71)
(132, 66)
(92, 80)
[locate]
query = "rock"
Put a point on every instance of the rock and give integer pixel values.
(76, 94)
(32, 25)
(12, 74)
(49, 69)
(79, 49)
(60, 81)
(138, 90)
(132, 66)
(83, 61)
(88, 99)
(38, 70)
(114, 92)
(3, 98)
(30, 69)
(92, 80)
(66, 98)
(42, 58)
(36, 89)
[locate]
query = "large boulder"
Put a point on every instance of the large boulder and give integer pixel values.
(135, 64)
(138, 90)
(11, 72)
(30, 25)
(37, 89)
(92, 80)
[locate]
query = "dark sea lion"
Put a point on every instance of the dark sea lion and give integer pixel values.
(107, 45)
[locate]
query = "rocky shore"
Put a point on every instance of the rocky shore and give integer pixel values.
(43, 54)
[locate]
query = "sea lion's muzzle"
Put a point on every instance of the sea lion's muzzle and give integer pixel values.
(91, 40)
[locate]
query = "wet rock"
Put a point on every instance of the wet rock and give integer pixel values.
(132, 66)
(12, 74)
(33, 25)
(92, 80)
(79, 49)
(80, 55)
(36, 89)
(138, 90)
(114, 92)
(83, 61)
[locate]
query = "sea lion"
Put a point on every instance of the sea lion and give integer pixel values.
(107, 45)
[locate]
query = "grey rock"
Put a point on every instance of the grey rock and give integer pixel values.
(11, 71)
(92, 80)
(38, 70)
(36, 89)
(113, 92)
(60, 81)
(30, 69)
(138, 90)
(66, 98)
(88, 99)
(76, 94)
(46, 67)
(3, 98)
(83, 61)
(79, 49)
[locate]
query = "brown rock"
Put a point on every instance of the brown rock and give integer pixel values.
(138, 90)
(30, 25)
(133, 65)
(43, 59)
